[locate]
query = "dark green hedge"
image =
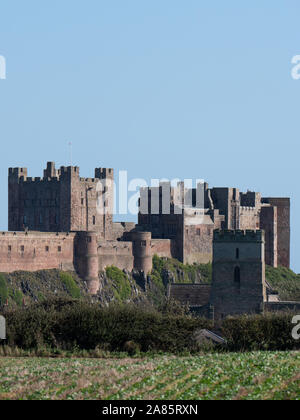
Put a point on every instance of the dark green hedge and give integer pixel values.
(68, 325)
(260, 332)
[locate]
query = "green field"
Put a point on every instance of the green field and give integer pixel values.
(259, 375)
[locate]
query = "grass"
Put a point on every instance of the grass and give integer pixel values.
(70, 285)
(251, 376)
(285, 281)
(181, 273)
(120, 283)
(32, 287)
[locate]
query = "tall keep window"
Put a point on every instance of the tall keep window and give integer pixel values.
(237, 254)
(237, 279)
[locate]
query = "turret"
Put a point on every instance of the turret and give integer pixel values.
(87, 260)
(69, 172)
(15, 174)
(50, 171)
(142, 251)
(104, 173)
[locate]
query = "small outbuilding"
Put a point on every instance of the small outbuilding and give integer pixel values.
(2, 328)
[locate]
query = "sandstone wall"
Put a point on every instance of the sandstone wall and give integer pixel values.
(162, 248)
(283, 228)
(115, 253)
(35, 251)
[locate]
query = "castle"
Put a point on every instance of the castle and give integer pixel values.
(55, 222)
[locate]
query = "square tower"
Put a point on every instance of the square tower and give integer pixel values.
(238, 284)
(61, 201)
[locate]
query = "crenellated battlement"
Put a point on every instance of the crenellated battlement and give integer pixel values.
(16, 173)
(69, 171)
(36, 234)
(103, 173)
(52, 174)
(239, 235)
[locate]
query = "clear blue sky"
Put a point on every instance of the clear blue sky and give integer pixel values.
(162, 88)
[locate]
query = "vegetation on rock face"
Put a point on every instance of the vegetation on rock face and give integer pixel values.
(285, 281)
(70, 285)
(120, 283)
(120, 286)
(29, 287)
(171, 269)
(3, 290)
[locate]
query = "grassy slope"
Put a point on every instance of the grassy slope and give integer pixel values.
(285, 281)
(38, 286)
(257, 375)
(118, 286)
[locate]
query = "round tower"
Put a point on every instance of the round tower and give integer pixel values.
(142, 251)
(92, 263)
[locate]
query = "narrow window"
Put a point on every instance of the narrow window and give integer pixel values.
(9, 248)
(237, 254)
(237, 279)
(198, 232)
(94, 220)
(22, 248)
(47, 249)
(59, 249)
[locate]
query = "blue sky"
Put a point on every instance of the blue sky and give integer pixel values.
(172, 88)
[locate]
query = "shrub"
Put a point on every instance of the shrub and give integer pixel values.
(260, 332)
(69, 324)
(85, 326)
(3, 290)
(132, 348)
(17, 297)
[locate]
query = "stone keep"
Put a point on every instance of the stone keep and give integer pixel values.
(61, 201)
(238, 284)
